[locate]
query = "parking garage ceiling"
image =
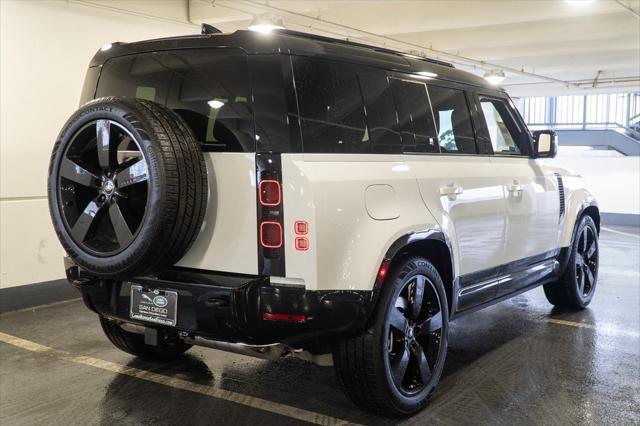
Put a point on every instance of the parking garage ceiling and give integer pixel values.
(543, 46)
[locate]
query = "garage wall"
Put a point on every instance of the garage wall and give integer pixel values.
(45, 47)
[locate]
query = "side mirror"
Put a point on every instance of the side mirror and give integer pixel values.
(545, 144)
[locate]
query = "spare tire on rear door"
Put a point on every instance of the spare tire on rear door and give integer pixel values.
(127, 187)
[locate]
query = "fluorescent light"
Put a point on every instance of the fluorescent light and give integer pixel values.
(215, 103)
(106, 47)
(579, 2)
(265, 24)
(494, 77)
(427, 74)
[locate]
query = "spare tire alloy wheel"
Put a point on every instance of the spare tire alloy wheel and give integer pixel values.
(103, 187)
(127, 187)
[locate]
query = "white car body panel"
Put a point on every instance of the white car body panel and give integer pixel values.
(228, 239)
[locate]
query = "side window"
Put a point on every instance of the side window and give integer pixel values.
(382, 124)
(209, 88)
(503, 131)
(331, 108)
(453, 120)
(414, 113)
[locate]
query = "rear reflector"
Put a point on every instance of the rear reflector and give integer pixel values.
(301, 227)
(299, 319)
(271, 235)
(302, 244)
(270, 192)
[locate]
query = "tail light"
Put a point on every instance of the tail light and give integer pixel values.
(271, 235)
(270, 194)
(271, 260)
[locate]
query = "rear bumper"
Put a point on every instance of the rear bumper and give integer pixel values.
(232, 307)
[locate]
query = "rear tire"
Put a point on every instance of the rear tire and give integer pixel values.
(577, 285)
(133, 343)
(394, 366)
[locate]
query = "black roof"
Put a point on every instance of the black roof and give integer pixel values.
(298, 43)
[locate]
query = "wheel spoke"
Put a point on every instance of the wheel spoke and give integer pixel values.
(399, 365)
(590, 277)
(584, 239)
(432, 324)
(123, 233)
(416, 296)
(397, 320)
(581, 281)
(76, 173)
(591, 250)
(106, 152)
(136, 172)
(422, 363)
(85, 221)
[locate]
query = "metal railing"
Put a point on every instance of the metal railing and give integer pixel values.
(619, 111)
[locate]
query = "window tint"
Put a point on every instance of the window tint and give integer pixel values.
(414, 114)
(331, 107)
(453, 121)
(502, 130)
(382, 123)
(208, 87)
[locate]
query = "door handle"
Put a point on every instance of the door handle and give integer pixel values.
(452, 191)
(515, 188)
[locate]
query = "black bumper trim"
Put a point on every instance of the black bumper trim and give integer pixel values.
(231, 307)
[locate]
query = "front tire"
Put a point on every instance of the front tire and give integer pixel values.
(577, 285)
(394, 366)
(133, 343)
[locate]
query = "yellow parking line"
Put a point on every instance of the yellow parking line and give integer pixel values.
(238, 398)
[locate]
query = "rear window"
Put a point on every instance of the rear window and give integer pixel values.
(209, 88)
(453, 120)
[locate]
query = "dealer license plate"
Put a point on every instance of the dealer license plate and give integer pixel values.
(154, 305)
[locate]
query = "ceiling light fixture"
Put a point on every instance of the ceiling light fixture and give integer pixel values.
(579, 2)
(266, 23)
(494, 77)
(215, 103)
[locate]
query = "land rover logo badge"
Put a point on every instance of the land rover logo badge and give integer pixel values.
(160, 301)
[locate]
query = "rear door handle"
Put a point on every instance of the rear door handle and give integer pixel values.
(452, 191)
(515, 188)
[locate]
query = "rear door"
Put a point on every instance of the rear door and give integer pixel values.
(457, 182)
(531, 196)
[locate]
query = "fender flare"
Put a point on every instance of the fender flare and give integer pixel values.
(408, 239)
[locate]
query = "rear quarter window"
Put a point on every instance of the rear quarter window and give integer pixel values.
(209, 88)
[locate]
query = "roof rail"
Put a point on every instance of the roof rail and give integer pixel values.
(366, 46)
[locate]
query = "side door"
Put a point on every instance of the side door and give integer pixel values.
(531, 196)
(457, 184)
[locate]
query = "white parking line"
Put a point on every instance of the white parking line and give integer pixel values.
(238, 398)
(628, 234)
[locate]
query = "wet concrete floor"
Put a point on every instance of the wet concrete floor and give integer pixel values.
(518, 362)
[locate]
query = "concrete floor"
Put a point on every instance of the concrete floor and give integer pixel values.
(517, 362)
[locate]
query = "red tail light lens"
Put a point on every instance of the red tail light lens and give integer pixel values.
(270, 192)
(271, 235)
(284, 317)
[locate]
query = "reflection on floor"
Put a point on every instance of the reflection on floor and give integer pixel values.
(519, 361)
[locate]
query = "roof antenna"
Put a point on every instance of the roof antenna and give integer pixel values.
(209, 29)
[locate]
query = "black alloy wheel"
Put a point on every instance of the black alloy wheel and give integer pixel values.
(414, 331)
(103, 187)
(127, 187)
(586, 262)
(393, 366)
(576, 285)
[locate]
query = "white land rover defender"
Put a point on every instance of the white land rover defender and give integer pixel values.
(289, 194)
